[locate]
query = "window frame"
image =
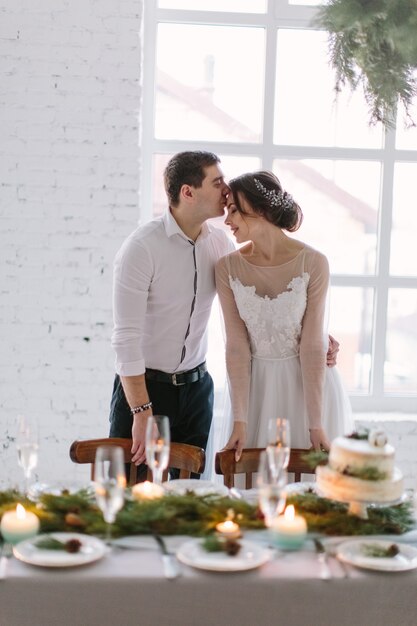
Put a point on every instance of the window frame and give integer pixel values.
(279, 14)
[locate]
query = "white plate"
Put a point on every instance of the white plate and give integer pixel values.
(199, 487)
(250, 556)
(91, 550)
(352, 552)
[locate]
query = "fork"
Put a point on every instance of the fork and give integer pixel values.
(6, 553)
(171, 569)
(322, 556)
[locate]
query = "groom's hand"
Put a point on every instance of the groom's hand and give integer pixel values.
(332, 351)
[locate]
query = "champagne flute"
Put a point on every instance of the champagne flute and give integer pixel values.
(109, 483)
(27, 444)
(278, 446)
(271, 489)
(157, 445)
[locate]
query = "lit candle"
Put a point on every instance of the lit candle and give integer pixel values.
(18, 525)
(228, 529)
(288, 531)
(147, 491)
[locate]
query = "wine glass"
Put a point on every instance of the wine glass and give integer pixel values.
(109, 483)
(278, 445)
(27, 445)
(157, 445)
(271, 489)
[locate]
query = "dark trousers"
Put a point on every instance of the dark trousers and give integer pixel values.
(189, 409)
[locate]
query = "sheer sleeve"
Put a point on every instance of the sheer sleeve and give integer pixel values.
(312, 345)
(238, 354)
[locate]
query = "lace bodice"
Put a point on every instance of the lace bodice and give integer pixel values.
(274, 313)
(273, 324)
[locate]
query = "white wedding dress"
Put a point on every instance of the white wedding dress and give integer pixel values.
(281, 372)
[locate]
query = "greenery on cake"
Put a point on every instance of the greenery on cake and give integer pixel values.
(365, 473)
(360, 435)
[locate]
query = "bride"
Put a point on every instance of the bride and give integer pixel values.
(273, 294)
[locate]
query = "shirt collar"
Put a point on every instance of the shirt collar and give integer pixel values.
(172, 228)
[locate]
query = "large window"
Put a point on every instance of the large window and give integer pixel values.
(250, 80)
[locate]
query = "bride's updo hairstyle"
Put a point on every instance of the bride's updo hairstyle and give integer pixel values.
(263, 191)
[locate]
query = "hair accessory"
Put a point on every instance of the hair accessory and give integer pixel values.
(141, 408)
(275, 198)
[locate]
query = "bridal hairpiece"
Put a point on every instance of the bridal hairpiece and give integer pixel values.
(275, 198)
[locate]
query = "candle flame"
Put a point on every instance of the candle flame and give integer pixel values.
(289, 513)
(20, 512)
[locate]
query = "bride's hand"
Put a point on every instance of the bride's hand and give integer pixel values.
(319, 439)
(237, 439)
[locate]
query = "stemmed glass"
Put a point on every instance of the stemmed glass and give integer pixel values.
(109, 483)
(271, 489)
(27, 444)
(278, 446)
(157, 445)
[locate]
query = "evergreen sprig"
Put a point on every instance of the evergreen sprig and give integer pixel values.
(373, 43)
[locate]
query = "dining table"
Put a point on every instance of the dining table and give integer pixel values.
(128, 587)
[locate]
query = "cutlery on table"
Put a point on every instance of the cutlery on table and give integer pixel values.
(171, 569)
(5, 554)
(325, 573)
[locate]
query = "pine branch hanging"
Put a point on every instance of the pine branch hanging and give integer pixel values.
(373, 44)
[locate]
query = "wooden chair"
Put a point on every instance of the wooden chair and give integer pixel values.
(248, 464)
(182, 456)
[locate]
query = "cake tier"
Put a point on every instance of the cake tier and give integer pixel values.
(336, 486)
(357, 454)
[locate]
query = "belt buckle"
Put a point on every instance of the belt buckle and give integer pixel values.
(174, 381)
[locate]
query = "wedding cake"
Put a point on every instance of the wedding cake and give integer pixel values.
(361, 468)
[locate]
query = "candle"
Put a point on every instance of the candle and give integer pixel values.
(147, 491)
(228, 529)
(288, 531)
(18, 525)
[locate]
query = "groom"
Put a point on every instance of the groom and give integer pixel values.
(162, 296)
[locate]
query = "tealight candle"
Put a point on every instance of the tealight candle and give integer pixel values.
(19, 524)
(228, 529)
(288, 531)
(147, 491)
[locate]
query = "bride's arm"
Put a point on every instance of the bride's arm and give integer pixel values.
(238, 358)
(313, 349)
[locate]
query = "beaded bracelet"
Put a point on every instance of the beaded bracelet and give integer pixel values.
(141, 408)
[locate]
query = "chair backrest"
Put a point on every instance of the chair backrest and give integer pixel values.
(248, 464)
(182, 456)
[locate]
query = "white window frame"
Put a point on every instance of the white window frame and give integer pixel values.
(280, 14)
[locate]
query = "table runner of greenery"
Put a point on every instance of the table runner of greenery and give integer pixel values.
(194, 515)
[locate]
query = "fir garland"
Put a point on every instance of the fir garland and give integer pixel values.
(198, 515)
(373, 43)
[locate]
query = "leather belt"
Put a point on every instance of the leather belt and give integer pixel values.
(179, 378)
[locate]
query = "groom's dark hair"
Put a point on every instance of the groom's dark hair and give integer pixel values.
(186, 168)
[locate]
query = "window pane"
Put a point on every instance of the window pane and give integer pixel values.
(231, 166)
(404, 221)
(306, 112)
(209, 83)
(350, 322)
(400, 370)
(241, 6)
(340, 202)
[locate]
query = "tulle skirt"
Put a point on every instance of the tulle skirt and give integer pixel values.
(277, 391)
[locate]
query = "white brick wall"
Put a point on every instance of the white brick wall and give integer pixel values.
(69, 175)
